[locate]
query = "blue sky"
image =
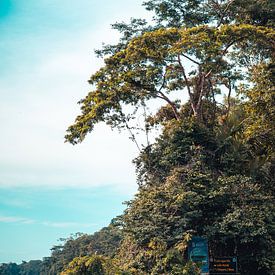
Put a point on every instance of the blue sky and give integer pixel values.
(49, 189)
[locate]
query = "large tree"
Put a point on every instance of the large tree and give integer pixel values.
(200, 62)
(208, 65)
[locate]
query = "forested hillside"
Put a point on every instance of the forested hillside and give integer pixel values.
(104, 242)
(209, 66)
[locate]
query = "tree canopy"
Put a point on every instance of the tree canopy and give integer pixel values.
(199, 61)
(209, 65)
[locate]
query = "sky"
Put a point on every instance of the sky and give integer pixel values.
(48, 188)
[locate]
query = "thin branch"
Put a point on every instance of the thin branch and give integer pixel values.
(210, 71)
(132, 136)
(214, 99)
(223, 53)
(187, 85)
(185, 77)
(220, 13)
(215, 5)
(172, 104)
(191, 59)
(229, 86)
(201, 92)
(146, 128)
(224, 12)
(164, 97)
(163, 82)
(231, 44)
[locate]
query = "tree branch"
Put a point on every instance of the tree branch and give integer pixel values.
(231, 44)
(164, 97)
(201, 92)
(191, 59)
(187, 86)
(146, 128)
(229, 87)
(224, 12)
(172, 104)
(133, 138)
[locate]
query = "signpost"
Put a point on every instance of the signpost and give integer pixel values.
(198, 253)
(223, 265)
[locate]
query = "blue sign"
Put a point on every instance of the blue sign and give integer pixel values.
(198, 253)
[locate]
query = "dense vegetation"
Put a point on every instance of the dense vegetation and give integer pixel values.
(209, 66)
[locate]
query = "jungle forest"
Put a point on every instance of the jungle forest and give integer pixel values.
(201, 74)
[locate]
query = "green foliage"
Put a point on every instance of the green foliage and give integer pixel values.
(178, 13)
(196, 180)
(9, 269)
(194, 12)
(156, 258)
(211, 170)
(34, 267)
(233, 211)
(260, 108)
(178, 145)
(153, 65)
(85, 266)
(104, 242)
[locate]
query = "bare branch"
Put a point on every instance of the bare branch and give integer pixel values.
(187, 86)
(159, 93)
(146, 128)
(191, 59)
(225, 11)
(208, 74)
(220, 13)
(172, 104)
(133, 138)
(201, 92)
(164, 97)
(229, 87)
(231, 44)
(163, 82)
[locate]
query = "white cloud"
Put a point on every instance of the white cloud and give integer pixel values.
(65, 224)
(39, 101)
(11, 219)
(68, 224)
(34, 123)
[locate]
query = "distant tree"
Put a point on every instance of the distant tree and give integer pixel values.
(104, 242)
(9, 269)
(33, 267)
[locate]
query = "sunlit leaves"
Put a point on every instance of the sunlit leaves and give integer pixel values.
(156, 63)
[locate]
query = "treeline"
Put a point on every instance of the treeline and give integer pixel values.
(104, 242)
(210, 172)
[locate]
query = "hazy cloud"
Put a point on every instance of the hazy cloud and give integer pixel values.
(68, 224)
(11, 219)
(65, 224)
